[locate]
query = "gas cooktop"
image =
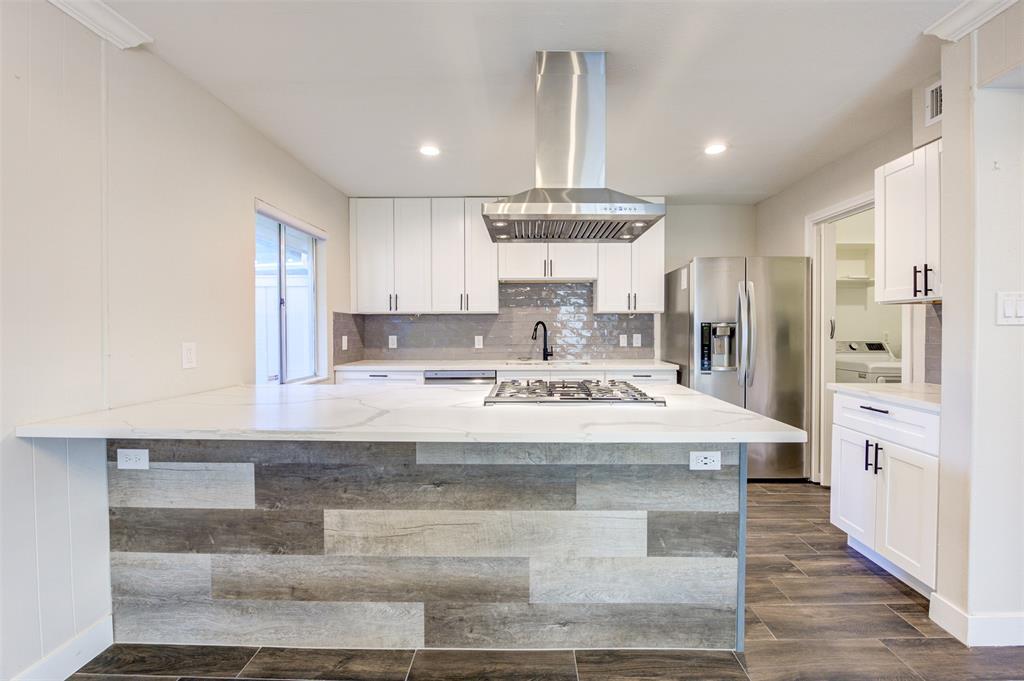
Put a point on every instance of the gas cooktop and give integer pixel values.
(569, 392)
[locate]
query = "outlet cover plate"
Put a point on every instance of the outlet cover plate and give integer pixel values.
(705, 461)
(637, 340)
(344, 343)
(392, 342)
(133, 459)
(189, 355)
(623, 340)
(478, 342)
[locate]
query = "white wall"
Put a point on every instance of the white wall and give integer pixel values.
(707, 230)
(780, 218)
(126, 227)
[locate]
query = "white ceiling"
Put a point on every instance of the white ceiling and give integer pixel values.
(353, 88)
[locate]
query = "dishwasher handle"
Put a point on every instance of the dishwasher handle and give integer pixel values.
(460, 377)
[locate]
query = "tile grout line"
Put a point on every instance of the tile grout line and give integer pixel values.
(575, 664)
(902, 661)
(743, 669)
(411, 660)
(239, 674)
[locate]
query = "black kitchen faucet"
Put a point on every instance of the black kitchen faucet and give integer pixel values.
(548, 352)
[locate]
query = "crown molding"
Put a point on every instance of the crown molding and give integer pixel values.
(968, 16)
(101, 19)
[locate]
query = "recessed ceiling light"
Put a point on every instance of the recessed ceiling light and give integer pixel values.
(715, 148)
(429, 150)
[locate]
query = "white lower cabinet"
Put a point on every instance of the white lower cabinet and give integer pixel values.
(885, 496)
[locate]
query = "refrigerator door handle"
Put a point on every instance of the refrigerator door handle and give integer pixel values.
(751, 363)
(741, 319)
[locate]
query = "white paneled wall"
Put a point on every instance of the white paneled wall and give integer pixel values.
(126, 227)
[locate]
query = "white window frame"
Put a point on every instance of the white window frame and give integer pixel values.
(319, 277)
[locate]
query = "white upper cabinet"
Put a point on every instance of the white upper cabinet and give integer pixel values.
(522, 261)
(448, 254)
(391, 255)
(572, 261)
(412, 256)
(481, 260)
(555, 261)
(907, 257)
(631, 277)
(373, 254)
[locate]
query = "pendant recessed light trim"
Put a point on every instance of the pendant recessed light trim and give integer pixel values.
(430, 150)
(715, 148)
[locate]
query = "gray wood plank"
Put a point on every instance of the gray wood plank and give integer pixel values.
(415, 487)
(359, 578)
(160, 575)
(568, 453)
(178, 530)
(170, 660)
(269, 451)
(704, 580)
(547, 625)
(183, 485)
(658, 665)
(657, 488)
(493, 665)
(269, 623)
(671, 533)
(485, 533)
(320, 664)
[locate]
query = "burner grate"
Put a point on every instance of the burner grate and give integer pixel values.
(538, 391)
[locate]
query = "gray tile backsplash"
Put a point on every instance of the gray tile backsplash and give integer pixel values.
(575, 331)
(933, 343)
(351, 326)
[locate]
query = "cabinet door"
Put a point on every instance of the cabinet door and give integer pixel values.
(853, 488)
(901, 216)
(412, 256)
(522, 261)
(907, 513)
(613, 291)
(572, 261)
(648, 270)
(481, 261)
(374, 262)
(447, 255)
(933, 181)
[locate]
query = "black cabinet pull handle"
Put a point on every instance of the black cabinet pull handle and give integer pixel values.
(927, 289)
(874, 409)
(916, 272)
(877, 467)
(378, 375)
(867, 461)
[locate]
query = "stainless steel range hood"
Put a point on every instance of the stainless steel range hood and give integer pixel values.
(570, 202)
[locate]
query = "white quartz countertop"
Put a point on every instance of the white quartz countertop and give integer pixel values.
(417, 413)
(926, 396)
(507, 365)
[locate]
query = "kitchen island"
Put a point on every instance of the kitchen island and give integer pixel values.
(382, 516)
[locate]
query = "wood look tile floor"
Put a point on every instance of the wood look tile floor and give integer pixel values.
(816, 611)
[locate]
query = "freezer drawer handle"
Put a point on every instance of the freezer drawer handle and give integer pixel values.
(874, 409)
(877, 467)
(867, 455)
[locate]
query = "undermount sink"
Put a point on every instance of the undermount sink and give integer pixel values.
(549, 363)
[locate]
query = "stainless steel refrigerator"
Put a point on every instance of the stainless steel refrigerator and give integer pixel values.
(739, 328)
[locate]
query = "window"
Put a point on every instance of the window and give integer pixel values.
(286, 302)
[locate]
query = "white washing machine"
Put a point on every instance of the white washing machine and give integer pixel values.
(866, 362)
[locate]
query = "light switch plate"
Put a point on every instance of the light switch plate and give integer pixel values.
(705, 461)
(623, 340)
(133, 459)
(392, 342)
(189, 355)
(1010, 308)
(478, 342)
(344, 343)
(637, 341)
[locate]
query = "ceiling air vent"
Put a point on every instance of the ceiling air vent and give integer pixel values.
(933, 103)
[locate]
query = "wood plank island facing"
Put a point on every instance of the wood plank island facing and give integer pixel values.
(248, 536)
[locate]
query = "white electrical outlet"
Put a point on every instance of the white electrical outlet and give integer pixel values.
(705, 461)
(478, 342)
(623, 340)
(189, 355)
(636, 340)
(392, 342)
(344, 343)
(134, 459)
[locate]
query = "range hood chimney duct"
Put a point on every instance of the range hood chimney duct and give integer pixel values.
(570, 201)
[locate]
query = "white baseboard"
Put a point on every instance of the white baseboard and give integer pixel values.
(987, 629)
(67, 659)
(890, 567)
